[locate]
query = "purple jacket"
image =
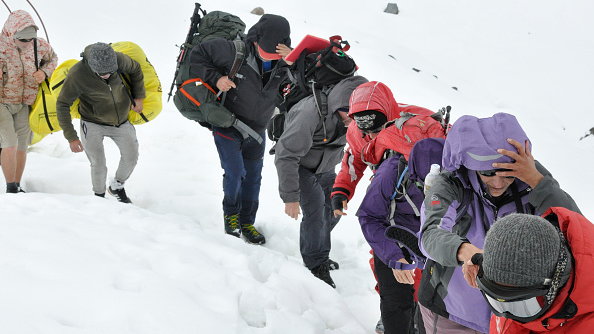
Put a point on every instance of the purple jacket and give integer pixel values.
(471, 145)
(376, 212)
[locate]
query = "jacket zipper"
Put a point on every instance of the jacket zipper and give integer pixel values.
(114, 106)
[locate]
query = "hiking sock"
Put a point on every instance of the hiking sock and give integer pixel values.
(12, 188)
(231, 223)
(252, 235)
(115, 184)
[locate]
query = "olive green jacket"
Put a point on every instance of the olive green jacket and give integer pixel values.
(105, 102)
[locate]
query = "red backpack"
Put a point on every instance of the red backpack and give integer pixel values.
(401, 134)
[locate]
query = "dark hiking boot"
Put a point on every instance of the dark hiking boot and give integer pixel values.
(379, 328)
(12, 188)
(333, 265)
(252, 235)
(120, 194)
(232, 225)
(323, 272)
(20, 189)
(100, 195)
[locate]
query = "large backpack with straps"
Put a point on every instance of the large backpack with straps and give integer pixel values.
(312, 74)
(418, 139)
(194, 98)
(411, 176)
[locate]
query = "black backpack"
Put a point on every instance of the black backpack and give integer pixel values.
(194, 98)
(312, 73)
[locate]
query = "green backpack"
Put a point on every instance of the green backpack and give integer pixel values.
(194, 98)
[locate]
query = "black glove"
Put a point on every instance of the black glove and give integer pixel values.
(337, 201)
(477, 259)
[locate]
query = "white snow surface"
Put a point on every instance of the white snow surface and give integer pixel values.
(74, 263)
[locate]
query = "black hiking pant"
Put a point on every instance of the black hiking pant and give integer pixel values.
(397, 303)
(318, 218)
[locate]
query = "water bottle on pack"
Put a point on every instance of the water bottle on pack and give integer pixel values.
(430, 178)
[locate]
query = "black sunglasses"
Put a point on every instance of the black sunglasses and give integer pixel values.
(493, 172)
(25, 40)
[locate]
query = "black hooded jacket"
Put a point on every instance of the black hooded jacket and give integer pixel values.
(257, 93)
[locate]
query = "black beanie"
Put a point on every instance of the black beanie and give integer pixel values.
(269, 31)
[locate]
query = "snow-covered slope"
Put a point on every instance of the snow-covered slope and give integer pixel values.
(74, 263)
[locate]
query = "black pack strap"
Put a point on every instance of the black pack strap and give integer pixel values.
(290, 75)
(321, 101)
(301, 70)
(35, 53)
(465, 201)
(128, 86)
(58, 84)
(45, 112)
(237, 62)
(37, 61)
(517, 199)
(239, 57)
(246, 131)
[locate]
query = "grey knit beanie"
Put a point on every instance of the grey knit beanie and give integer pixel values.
(101, 58)
(521, 250)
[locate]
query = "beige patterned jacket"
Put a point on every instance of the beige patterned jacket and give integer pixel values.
(18, 63)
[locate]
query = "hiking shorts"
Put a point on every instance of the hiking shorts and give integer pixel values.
(14, 126)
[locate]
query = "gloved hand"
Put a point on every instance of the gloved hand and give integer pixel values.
(339, 204)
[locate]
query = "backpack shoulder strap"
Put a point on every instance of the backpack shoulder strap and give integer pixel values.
(35, 53)
(401, 190)
(399, 122)
(466, 200)
(127, 85)
(45, 111)
(239, 57)
(237, 62)
(321, 101)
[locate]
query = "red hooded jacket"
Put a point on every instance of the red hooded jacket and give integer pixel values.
(580, 236)
(372, 95)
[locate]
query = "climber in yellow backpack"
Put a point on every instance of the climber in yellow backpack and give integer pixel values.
(26, 61)
(104, 102)
(43, 119)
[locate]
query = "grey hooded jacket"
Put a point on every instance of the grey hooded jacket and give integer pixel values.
(302, 142)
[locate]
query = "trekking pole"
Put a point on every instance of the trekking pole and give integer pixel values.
(6, 6)
(183, 49)
(40, 20)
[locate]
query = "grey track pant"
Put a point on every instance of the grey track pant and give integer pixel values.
(318, 217)
(124, 136)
